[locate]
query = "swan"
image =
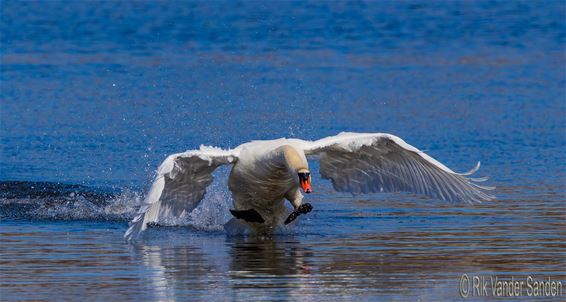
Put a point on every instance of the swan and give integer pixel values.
(265, 173)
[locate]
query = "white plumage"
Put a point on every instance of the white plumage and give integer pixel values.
(264, 173)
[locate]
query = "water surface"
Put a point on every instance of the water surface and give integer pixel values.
(95, 95)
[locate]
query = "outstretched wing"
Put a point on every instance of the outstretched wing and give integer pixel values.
(379, 162)
(179, 186)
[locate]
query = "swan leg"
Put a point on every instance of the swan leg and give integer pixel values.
(303, 209)
(250, 215)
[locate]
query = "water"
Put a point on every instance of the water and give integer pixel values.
(94, 95)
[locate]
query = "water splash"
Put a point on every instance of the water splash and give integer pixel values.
(55, 201)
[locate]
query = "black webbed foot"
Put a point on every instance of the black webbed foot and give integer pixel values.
(250, 215)
(303, 209)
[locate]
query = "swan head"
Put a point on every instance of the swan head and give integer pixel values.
(305, 180)
(297, 163)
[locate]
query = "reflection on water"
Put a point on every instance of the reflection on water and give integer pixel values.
(206, 266)
(394, 249)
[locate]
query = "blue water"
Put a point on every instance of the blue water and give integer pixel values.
(94, 95)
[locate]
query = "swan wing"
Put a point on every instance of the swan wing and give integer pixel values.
(380, 162)
(179, 186)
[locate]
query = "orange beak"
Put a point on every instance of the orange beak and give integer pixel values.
(306, 184)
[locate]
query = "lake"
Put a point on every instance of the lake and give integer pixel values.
(94, 95)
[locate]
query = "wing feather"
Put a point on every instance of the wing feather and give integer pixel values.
(179, 186)
(379, 162)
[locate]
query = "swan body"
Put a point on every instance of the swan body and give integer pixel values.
(264, 176)
(265, 173)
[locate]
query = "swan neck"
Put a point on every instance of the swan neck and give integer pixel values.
(294, 161)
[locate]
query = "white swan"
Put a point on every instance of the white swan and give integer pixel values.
(264, 173)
